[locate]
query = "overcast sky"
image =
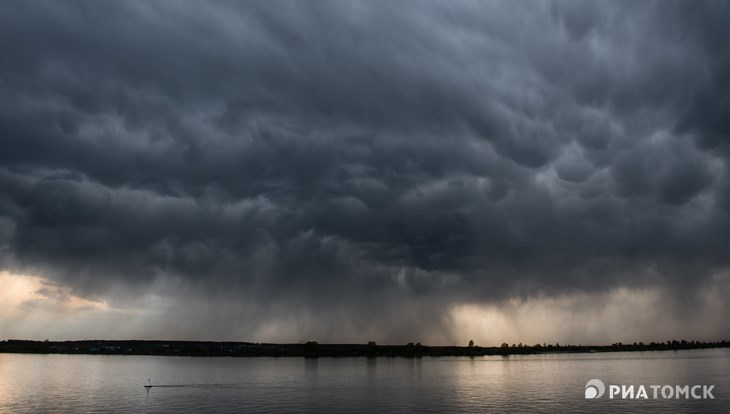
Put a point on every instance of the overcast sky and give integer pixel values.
(350, 171)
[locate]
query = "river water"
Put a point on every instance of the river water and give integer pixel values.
(528, 383)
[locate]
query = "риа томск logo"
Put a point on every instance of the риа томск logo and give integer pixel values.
(595, 388)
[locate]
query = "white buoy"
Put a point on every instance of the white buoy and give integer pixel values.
(149, 383)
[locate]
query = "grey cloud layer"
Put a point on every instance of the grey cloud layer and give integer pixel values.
(338, 155)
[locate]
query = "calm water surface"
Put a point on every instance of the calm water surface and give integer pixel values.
(534, 383)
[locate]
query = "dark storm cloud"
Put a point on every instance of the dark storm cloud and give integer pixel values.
(383, 161)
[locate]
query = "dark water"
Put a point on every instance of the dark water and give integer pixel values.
(536, 383)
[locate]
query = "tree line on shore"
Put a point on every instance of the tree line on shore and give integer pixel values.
(315, 349)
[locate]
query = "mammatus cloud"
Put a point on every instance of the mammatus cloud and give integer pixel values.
(350, 170)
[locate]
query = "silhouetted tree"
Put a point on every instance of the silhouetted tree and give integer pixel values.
(311, 349)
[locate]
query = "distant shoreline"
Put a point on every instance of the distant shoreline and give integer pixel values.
(314, 350)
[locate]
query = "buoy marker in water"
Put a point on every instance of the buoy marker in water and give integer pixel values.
(149, 384)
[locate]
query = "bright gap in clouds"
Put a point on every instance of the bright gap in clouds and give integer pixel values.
(34, 307)
(619, 315)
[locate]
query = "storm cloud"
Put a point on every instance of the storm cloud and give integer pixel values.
(350, 170)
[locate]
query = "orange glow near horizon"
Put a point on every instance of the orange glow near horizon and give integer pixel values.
(19, 290)
(31, 301)
(578, 318)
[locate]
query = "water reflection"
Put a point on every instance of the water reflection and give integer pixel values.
(548, 383)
